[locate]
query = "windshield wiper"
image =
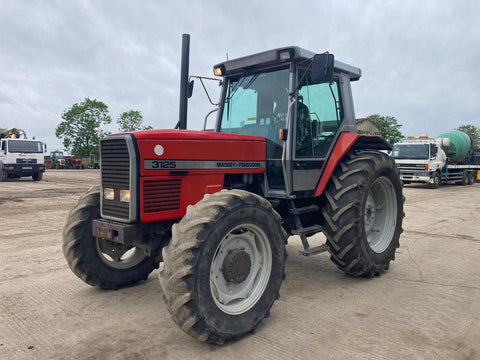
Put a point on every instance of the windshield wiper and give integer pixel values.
(235, 87)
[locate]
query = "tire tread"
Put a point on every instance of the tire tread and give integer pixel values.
(78, 253)
(342, 213)
(177, 278)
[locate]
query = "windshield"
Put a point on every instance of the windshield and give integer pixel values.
(257, 104)
(410, 151)
(23, 146)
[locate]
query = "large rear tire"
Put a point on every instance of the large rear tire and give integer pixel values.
(96, 261)
(224, 266)
(364, 213)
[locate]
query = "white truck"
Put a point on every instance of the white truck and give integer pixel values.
(449, 158)
(20, 158)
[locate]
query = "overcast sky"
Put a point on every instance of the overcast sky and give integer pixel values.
(420, 60)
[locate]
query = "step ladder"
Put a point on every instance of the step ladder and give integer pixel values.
(304, 232)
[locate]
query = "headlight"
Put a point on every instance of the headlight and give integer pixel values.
(108, 194)
(125, 195)
(219, 71)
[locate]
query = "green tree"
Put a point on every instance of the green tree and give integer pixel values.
(388, 126)
(132, 121)
(81, 127)
(474, 133)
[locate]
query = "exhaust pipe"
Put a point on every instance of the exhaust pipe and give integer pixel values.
(182, 113)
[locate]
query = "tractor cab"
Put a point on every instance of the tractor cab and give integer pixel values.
(300, 102)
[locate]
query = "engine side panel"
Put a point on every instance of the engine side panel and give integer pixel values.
(177, 172)
(161, 157)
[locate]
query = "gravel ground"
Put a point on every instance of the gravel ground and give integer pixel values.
(427, 306)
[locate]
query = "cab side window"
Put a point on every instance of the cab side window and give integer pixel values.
(319, 115)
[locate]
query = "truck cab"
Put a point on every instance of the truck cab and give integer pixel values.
(419, 159)
(21, 158)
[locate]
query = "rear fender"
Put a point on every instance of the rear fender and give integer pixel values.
(346, 142)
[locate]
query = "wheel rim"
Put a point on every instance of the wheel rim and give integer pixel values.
(236, 284)
(119, 256)
(380, 214)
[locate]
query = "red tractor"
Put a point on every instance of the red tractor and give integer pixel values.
(74, 162)
(217, 208)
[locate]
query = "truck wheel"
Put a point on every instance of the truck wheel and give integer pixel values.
(3, 175)
(464, 178)
(99, 262)
(37, 176)
(471, 178)
(224, 266)
(437, 180)
(364, 213)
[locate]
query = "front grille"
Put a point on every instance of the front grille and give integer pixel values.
(115, 170)
(115, 163)
(24, 161)
(116, 209)
(411, 166)
(161, 195)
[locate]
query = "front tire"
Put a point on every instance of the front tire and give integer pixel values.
(437, 180)
(37, 176)
(224, 266)
(364, 213)
(96, 261)
(3, 175)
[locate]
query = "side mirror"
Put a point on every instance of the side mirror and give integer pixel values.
(190, 89)
(322, 68)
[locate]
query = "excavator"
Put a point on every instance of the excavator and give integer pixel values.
(13, 133)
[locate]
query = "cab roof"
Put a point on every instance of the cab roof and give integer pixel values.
(271, 57)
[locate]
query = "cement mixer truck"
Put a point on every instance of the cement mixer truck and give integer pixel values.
(448, 158)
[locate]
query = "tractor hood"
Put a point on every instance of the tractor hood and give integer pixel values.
(167, 152)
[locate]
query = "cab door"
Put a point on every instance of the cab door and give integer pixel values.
(318, 119)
